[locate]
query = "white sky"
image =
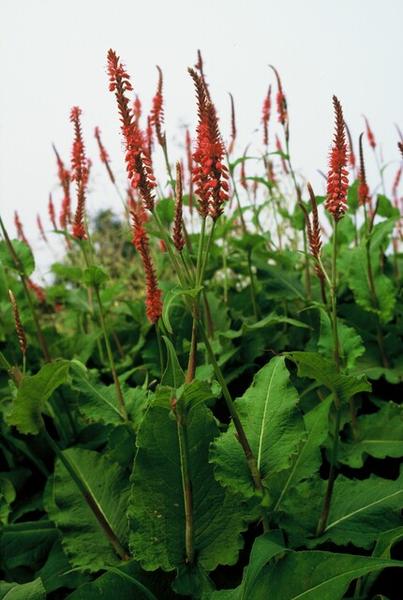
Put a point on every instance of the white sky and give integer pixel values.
(53, 56)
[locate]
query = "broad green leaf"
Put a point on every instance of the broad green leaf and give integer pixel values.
(95, 276)
(33, 590)
(308, 459)
(315, 575)
(125, 582)
(379, 434)
(83, 540)
(383, 549)
(33, 393)
(173, 375)
(57, 572)
(386, 208)
(361, 510)
(273, 319)
(157, 517)
(315, 366)
(273, 425)
(351, 344)
(263, 550)
(23, 252)
(69, 272)
(26, 544)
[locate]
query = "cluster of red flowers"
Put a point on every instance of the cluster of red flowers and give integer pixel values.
(281, 101)
(177, 234)
(40, 227)
(138, 161)
(370, 135)
(233, 126)
(79, 173)
(20, 229)
(22, 340)
(363, 189)
(210, 175)
(314, 232)
(266, 111)
(141, 243)
(52, 212)
(157, 110)
(337, 179)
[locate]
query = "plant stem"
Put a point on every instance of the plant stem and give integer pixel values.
(88, 497)
(186, 481)
(158, 334)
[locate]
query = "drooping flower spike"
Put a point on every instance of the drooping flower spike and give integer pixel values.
(281, 100)
(233, 126)
(363, 190)
(103, 154)
(138, 161)
(337, 179)
(79, 174)
(141, 243)
(22, 340)
(210, 175)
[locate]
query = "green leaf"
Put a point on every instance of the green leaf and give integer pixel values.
(33, 393)
(33, 590)
(273, 425)
(156, 512)
(69, 272)
(83, 540)
(361, 510)
(273, 319)
(308, 459)
(351, 344)
(315, 366)
(379, 434)
(126, 582)
(313, 575)
(26, 544)
(57, 573)
(23, 252)
(95, 276)
(7, 497)
(173, 375)
(169, 300)
(265, 548)
(383, 549)
(386, 208)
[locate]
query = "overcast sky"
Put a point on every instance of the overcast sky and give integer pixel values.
(53, 55)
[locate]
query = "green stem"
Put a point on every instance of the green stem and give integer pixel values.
(186, 482)
(88, 497)
(161, 355)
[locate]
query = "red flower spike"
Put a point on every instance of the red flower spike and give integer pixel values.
(370, 135)
(177, 235)
(141, 243)
(64, 180)
(281, 101)
(22, 340)
(79, 173)
(138, 158)
(137, 109)
(209, 172)
(363, 190)
(351, 155)
(103, 155)
(266, 112)
(40, 227)
(37, 290)
(157, 111)
(337, 179)
(51, 212)
(314, 232)
(233, 126)
(20, 229)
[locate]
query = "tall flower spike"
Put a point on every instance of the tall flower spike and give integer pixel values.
(337, 179)
(279, 148)
(314, 233)
(266, 112)
(210, 175)
(370, 135)
(157, 111)
(20, 229)
(138, 161)
(103, 155)
(40, 227)
(141, 243)
(177, 235)
(80, 174)
(363, 190)
(22, 340)
(233, 126)
(281, 100)
(52, 212)
(64, 180)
